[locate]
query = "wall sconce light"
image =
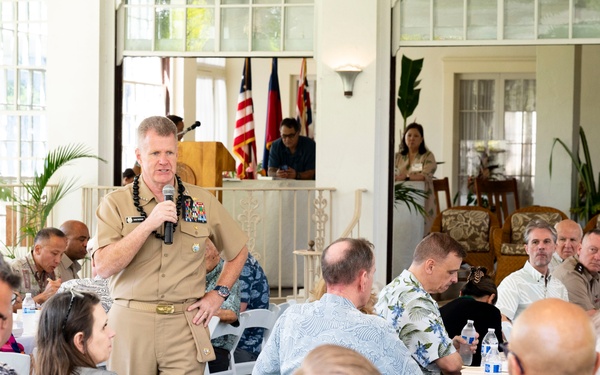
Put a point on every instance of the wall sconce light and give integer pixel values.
(348, 75)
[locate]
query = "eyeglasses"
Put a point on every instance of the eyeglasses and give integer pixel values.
(73, 295)
(506, 350)
(289, 136)
(15, 298)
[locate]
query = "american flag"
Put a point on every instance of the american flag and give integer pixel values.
(244, 141)
(273, 114)
(303, 111)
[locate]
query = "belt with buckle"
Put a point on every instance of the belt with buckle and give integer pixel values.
(162, 308)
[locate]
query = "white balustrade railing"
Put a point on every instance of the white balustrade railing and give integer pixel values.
(279, 217)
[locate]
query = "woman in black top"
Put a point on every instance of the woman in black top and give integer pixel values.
(476, 302)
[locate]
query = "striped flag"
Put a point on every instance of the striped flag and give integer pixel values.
(244, 141)
(303, 111)
(273, 114)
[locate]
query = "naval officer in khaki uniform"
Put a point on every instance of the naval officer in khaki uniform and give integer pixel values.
(580, 273)
(160, 309)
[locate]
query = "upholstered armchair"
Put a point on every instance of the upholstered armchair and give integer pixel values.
(472, 227)
(509, 240)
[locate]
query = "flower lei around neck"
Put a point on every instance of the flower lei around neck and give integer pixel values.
(136, 201)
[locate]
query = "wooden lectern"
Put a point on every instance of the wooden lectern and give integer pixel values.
(203, 163)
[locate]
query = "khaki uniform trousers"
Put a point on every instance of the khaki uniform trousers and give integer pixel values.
(150, 343)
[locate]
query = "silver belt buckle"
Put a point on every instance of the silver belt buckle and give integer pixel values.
(165, 309)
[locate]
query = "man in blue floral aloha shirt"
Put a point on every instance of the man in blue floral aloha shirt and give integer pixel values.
(407, 304)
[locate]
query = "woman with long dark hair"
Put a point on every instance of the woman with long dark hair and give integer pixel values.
(73, 336)
(414, 162)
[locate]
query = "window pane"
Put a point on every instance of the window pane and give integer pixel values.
(414, 18)
(25, 89)
(227, 2)
(170, 29)
(39, 89)
(298, 34)
(7, 11)
(7, 43)
(200, 29)
(266, 35)
(554, 19)
(482, 20)
(7, 96)
(519, 19)
(586, 19)
(234, 34)
(299, 1)
(448, 20)
(139, 28)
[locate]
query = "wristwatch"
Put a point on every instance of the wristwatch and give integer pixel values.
(223, 291)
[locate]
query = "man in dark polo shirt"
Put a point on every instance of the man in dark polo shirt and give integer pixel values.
(292, 156)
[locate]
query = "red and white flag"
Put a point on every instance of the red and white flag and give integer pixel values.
(303, 111)
(244, 141)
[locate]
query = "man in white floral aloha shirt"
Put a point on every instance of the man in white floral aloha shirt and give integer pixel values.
(407, 304)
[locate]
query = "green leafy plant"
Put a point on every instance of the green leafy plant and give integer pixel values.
(36, 205)
(408, 93)
(587, 203)
(410, 196)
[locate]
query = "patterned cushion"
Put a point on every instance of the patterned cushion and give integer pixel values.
(520, 220)
(470, 228)
(512, 249)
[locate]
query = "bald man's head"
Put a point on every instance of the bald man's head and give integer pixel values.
(78, 235)
(553, 337)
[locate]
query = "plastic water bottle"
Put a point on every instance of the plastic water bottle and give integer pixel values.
(468, 333)
(493, 362)
(29, 319)
(489, 341)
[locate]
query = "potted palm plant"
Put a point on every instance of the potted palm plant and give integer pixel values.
(587, 203)
(37, 200)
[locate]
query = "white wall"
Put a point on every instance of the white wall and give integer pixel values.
(80, 91)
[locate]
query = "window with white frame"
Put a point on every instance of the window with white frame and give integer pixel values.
(23, 133)
(143, 96)
(211, 100)
(207, 27)
(497, 125)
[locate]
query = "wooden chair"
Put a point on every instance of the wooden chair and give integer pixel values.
(441, 185)
(497, 192)
(509, 240)
(472, 227)
(593, 223)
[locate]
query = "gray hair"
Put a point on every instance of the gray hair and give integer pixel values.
(538, 224)
(45, 234)
(8, 276)
(161, 125)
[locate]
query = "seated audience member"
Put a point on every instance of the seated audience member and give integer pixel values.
(37, 267)
(579, 273)
(436, 261)
(476, 303)
(568, 241)
(254, 294)
(178, 121)
(348, 266)
(553, 337)
(9, 282)
(128, 176)
(292, 156)
(532, 282)
(335, 359)
(229, 311)
(73, 336)
(78, 235)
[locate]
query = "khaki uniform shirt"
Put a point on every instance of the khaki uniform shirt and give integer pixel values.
(33, 282)
(67, 269)
(167, 273)
(583, 287)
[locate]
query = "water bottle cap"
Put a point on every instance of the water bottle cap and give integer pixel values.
(27, 295)
(491, 330)
(469, 321)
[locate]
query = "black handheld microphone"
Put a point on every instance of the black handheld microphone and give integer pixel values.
(168, 192)
(189, 129)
